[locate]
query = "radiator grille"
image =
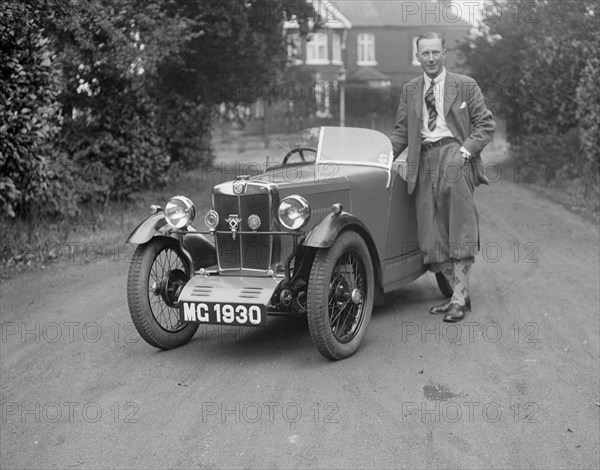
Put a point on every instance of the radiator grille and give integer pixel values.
(246, 251)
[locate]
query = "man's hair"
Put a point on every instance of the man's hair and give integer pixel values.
(432, 35)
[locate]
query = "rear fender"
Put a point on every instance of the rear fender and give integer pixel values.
(326, 232)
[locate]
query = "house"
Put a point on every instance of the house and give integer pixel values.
(372, 43)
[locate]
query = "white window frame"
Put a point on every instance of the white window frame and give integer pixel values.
(366, 49)
(317, 49)
(336, 49)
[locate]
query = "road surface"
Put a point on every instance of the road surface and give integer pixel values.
(515, 385)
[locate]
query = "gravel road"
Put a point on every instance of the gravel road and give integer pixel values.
(515, 385)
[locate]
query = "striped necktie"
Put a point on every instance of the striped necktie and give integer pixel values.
(430, 102)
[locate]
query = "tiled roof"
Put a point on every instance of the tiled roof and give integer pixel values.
(399, 13)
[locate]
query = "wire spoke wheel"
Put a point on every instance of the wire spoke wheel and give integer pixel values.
(167, 278)
(157, 274)
(346, 294)
(340, 296)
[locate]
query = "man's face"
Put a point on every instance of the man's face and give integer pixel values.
(432, 55)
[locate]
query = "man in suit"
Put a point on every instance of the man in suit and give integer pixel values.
(443, 120)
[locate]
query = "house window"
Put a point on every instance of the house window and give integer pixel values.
(316, 49)
(415, 61)
(294, 48)
(336, 49)
(366, 49)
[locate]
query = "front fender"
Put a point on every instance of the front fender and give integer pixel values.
(324, 234)
(202, 251)
(153, 226)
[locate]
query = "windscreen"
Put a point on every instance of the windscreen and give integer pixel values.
(354, 145)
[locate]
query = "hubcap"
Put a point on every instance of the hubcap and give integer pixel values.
(171, 286)
(356, 296)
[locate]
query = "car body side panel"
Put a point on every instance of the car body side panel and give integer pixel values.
(399, 271)
(402, 261)
(370, 198)
(401, 231)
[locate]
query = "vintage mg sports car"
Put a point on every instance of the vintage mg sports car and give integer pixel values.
(325, 234)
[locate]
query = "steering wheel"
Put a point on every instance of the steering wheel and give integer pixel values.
(299, 150)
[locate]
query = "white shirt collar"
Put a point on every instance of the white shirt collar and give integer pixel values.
(441, 78)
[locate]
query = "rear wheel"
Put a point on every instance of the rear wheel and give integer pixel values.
(340, 296)
(157, 273)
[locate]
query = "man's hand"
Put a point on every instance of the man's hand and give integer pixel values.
(466, 154)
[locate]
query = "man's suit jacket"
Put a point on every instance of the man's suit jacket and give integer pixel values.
(467, 117)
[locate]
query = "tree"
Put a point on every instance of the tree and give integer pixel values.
(142, 77)
(133, 81)
(558, 49)
(544, 65)
(528, 55)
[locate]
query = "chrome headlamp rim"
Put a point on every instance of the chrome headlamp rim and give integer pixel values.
(301, 206)
(179, 212)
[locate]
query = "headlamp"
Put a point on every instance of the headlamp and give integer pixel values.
(294, 212)
(179, 212)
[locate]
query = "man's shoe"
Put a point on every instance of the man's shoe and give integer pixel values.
(445, 307)
(456, 313)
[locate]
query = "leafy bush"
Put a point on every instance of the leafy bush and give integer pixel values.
(185, 129)
(30, 114)
(116, 154)
(550, 155)
(588, 113)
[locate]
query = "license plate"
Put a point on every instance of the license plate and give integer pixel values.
(223, 313)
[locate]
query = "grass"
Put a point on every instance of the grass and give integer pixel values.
(97, 233)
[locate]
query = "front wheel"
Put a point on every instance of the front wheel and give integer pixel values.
(157, 273)
(340, 296)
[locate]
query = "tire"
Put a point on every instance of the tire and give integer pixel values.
(340, 302)
(444, 285)
(157, 272)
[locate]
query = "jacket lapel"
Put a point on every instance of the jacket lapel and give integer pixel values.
(450, 92)
(418, 98)
(451, 95)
